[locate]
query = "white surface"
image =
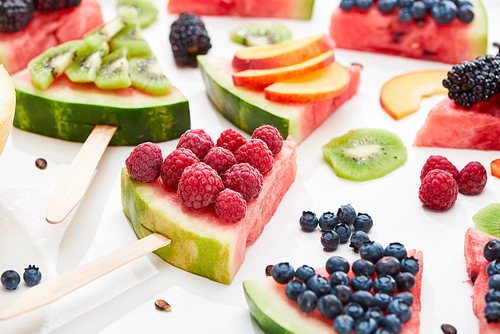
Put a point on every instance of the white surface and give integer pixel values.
(123, 302)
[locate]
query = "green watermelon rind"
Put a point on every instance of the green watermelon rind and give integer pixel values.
(479, 29)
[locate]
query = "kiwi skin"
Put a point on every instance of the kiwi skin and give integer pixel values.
(487, 219)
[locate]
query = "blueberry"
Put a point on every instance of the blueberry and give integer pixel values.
(405, 3)
(354, 310)
(405, 281)
(406, 296)
(382, 300)
(400, 309)
(339, 278)
(410, 265)
(444, 12)
(383, 331)
(384, 284)
(307, 301)
(308, 221)
(294, 288)
(344, 232)
(363, 222)
(363, 267)
(392, 323)
(375, 313)
(346, 214)
(10, 279)
(463, 3)
(363, 298)
(361, 282)
(319, 285)
(330, 240)
(304, 272)
(428, 4)
(282, 272)
(343, 293)
(337, 263)
(493, 268)
(396, 249)
(387, 6)
(329, 306)
(405, 15)
(388, 265)
(343, 324)
(418, 10)
(365, 326)
(358, 239)
(465, 13)
(491, 250)
(492, 296)
(32, 275)
(492, 312)
(494, 282)
(371, 251)
(363, 4)
(327, 221)
(347, 5)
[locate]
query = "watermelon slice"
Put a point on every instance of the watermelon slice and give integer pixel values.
(275, 313)
(202, 243)
(248, 109)
(47, 30)
(374, 31)
(476, 265)
(291, 9)
(451, 126)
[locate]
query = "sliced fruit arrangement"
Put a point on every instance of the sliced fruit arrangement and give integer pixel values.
(19, 43)
(7, 107)
(209, 226)
(446, 31)
(260, 33)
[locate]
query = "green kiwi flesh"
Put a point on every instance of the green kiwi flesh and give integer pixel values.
(114, 71)
(254, 34)
(130, 37)
(365, 154)
(147, 75)
(487, 219)
(147, 11)
(86, 65)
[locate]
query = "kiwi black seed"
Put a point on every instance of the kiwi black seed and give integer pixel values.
(365, 154)
(147, 75)
(87, 64)
(130, 37)
(114, 71)
(147, 11)
(487, 219)
(255, 34)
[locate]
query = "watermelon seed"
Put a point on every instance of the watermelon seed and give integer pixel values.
(448, 329)
(41, 163)
(162, 305)
(396, 36)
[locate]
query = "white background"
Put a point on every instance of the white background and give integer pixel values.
(123, 302)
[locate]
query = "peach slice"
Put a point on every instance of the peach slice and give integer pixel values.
(495, 168)
(325, 83)
(258, 79)
(401, 95)
(282, 54)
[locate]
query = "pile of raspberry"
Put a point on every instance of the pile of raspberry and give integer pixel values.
(226, 175)
(441, 182)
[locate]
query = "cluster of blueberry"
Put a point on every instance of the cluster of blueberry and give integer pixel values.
(338, 228)
(380, 305)
(442, 11)
(492, 253)
(10, 278)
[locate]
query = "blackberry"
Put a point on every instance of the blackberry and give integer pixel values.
(471, 82)
(189, 38)
(15, 14)
(52, 5)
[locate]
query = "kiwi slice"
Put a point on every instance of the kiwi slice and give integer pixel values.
(147, 11)
(53, 62)
(87, 64)
(487, 219)
(254, 34)
(365, 154)
(114, 71)
(130, 37)
(147, 75)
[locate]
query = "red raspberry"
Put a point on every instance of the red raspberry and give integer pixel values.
(231, 140)
(271, 136)
(196, 140)
(244, 179)
(472, 179)
(174, 164)
(438, 162)
(199, 186)
(257, 154)
(230, 206)
(438, 190)
(144, 162)
(220, 159)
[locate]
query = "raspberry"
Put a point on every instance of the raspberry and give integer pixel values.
(144, 162)
(438, 162)
(245, 179)
(231, 140)
(257, 154)
(220, 159)
(472, 179)
(196, 140)
(438, 190)
(230, 206)
(271, 136)
(199, 186)
(174, 164)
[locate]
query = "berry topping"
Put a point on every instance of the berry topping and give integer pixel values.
(382, 300)
(363, 298)
(15, 14)
(371, 251)
(438, 190)
(384, 284)
(294, 288)
(491, 250)
(392, 323)
(438, 162)
(231, 140)
(319, 285)
(363, 267)
(405, 281)
(410, 265)
(244, 179)
(199, 186)
(307, 301)
(400, 309)
(144, 162)
(196, 140)
(329, 306)
(339, 278)
(230, 206)
(492, 312)
(52, 5)
(342, 292)
(395, 249)
(283, 272)
(337, 263)
(257, 154)
(472, 179)
(444, 12)
(32, 275)
(361, 282)
(387, 6)
(174, 164)
(304, 272)
(220, 159)
(10, 279)
(354, 310)
(343, 324)
(271, 136)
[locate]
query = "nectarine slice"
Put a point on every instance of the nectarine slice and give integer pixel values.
(282, 54)
(325, 83)
(401, 95)
(495, 168)
(258, 79)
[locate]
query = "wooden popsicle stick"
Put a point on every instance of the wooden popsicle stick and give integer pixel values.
(70, 189)
(57, 287)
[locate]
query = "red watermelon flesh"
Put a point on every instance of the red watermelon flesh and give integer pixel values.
(476, 264)
(47, 30)
(451, 126)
